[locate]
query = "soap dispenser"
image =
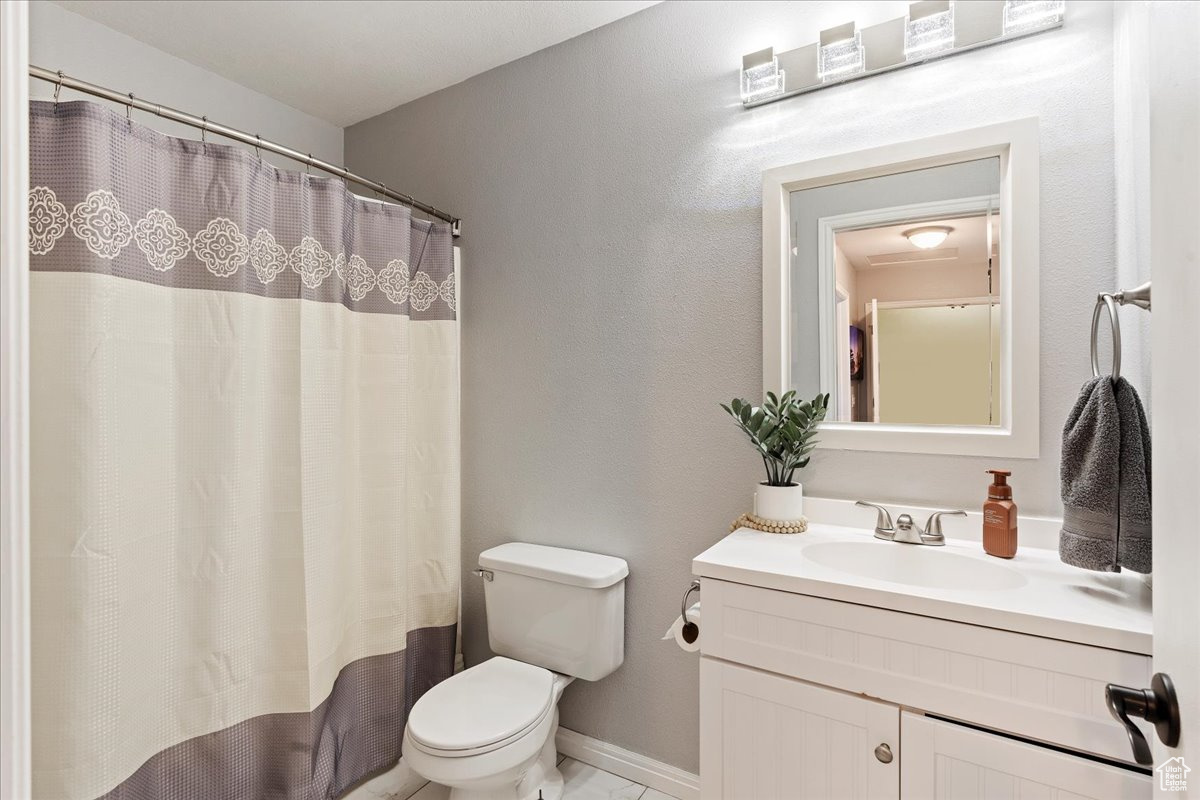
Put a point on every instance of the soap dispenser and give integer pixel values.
(1000, 517)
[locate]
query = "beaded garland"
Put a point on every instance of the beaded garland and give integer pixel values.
(769, 525)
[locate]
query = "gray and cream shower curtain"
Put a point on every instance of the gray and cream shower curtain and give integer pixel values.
(245, 468)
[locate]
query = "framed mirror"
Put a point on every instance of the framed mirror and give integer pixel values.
(903, 281)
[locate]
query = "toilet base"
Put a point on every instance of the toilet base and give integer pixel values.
(542, 780)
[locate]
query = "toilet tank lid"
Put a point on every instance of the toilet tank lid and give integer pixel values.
(572, 567)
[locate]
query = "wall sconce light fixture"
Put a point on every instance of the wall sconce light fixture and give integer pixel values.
(929, 29)
(841, 53)
(761, 76)
(1030, 15)
(932, 29)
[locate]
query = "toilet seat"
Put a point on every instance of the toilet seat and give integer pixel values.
(481, 709)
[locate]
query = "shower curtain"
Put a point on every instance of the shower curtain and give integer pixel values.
(245, 468)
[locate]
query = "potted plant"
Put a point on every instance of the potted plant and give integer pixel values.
(783, 430)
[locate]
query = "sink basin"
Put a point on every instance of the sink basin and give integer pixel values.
(915, 565)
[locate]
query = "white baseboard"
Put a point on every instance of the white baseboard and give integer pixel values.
(634, 766)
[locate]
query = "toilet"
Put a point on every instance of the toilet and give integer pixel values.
(553, 615)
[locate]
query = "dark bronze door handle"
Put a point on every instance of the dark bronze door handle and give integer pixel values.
(1157, 705)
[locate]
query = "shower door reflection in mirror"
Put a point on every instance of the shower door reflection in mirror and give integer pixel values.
(895, 296)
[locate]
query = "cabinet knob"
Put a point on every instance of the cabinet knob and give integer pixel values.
(884, 753)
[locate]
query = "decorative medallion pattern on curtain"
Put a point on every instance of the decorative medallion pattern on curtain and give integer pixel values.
(244, 385)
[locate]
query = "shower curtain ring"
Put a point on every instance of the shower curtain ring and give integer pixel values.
(204, 134)
(129, 110)
(308, 165)
(57, 88)
(258, 144)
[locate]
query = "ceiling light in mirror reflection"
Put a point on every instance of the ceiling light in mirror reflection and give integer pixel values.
(885, 246)
(928, 238)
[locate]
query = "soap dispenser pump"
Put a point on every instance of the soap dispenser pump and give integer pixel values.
(1000, 517)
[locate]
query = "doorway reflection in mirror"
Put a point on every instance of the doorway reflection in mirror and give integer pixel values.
(907, 318)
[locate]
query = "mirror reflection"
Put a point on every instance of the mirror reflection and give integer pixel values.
(896, 296)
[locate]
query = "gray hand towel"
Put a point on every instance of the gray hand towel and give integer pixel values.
(1090, 479)
(1105, 478)
(1133, 537)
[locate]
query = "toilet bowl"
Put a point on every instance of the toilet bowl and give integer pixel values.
(488, 732)
(553, 615)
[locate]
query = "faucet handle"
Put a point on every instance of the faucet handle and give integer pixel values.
(933, 527)
(883, 520)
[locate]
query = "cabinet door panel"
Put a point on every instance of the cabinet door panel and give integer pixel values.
(766, 737)
(943, 761)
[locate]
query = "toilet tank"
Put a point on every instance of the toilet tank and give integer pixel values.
(559, 609)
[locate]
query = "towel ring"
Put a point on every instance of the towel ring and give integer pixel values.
(1101, 302)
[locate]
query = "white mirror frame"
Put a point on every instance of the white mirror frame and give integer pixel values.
(1016, 144)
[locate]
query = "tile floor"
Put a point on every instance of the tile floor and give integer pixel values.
(583, 782)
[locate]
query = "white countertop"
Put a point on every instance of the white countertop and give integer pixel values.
(1050, 599)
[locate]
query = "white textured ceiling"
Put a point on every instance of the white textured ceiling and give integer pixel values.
(966, 244)
(349, 60)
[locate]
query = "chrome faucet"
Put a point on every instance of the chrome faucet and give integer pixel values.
(904, 531)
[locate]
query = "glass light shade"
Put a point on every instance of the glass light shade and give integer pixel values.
(930, 34)
(764, 80)
(1028, 15)
(839, 59)
(927, 238)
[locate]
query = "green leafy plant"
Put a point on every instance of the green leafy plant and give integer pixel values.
(782, 430)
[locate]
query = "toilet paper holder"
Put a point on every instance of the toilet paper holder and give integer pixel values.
(690, 630)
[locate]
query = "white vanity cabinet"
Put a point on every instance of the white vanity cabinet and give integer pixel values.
(807, 697)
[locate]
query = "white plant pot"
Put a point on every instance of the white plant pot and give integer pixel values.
(779, 503)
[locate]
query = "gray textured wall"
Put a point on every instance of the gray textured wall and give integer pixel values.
(611, 289)
(83, 48)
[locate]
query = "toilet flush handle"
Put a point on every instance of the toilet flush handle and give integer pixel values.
(486, 574)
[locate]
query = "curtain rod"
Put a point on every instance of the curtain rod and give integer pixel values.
(254, 140)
